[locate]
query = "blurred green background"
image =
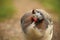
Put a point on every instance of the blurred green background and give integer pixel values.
(6, 9)
(53, 5)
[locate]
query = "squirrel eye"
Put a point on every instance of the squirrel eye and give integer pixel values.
(33, 12)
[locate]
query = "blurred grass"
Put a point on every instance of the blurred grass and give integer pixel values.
(51, 4)
(6, 9)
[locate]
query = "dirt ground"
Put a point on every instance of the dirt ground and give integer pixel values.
(11, 29)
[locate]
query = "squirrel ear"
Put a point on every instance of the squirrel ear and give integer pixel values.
(33, 11)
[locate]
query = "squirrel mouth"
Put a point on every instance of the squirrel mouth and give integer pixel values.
(35, 19)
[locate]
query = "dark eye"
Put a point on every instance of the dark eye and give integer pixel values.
(33, 12)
